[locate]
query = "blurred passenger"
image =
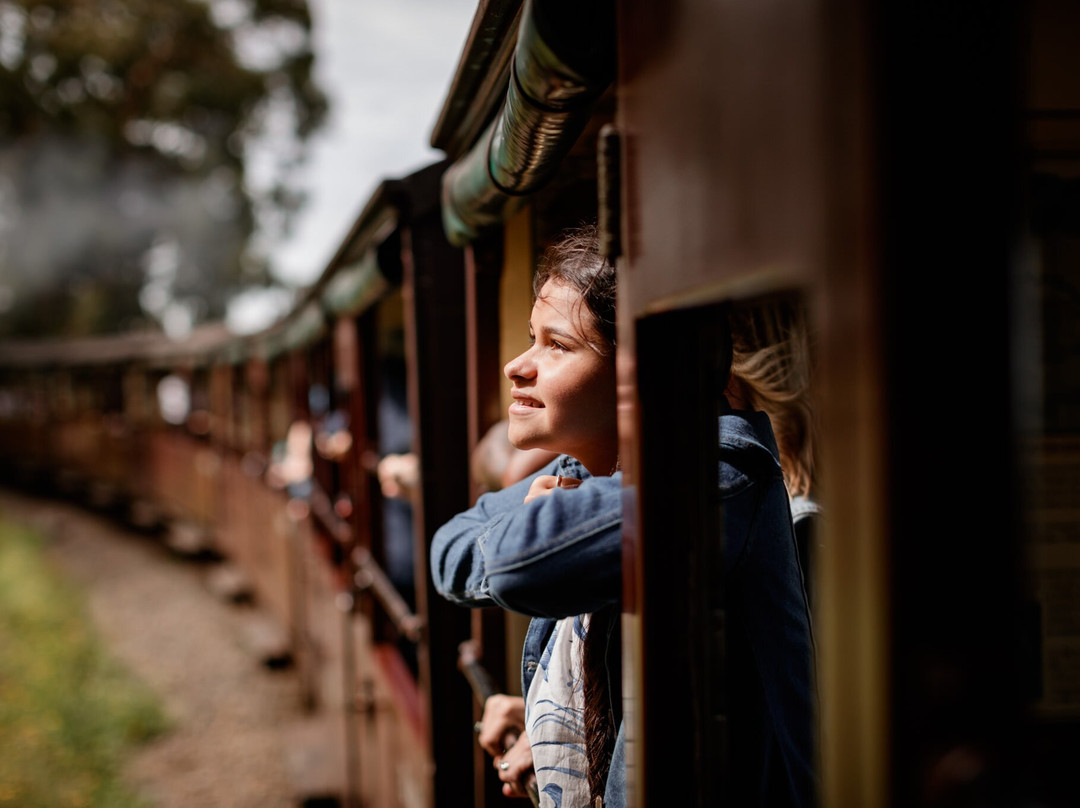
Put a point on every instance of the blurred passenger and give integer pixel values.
(771, 371)
(291, 466)
(399, 475)
(496, 463)
(333, 440)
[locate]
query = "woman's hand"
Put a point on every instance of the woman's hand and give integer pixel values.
(502, 734)
(503, 722)
(543, 485)
(514, 766)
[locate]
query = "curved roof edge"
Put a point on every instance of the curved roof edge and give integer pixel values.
(479, 85)
(564, 60)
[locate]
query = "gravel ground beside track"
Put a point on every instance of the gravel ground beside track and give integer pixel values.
(154, 609)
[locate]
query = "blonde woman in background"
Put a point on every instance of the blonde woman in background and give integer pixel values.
(771, 371)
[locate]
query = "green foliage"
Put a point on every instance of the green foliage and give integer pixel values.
(68, 712)
(124, 124)
(99, 66)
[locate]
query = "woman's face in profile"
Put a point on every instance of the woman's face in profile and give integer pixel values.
(563, 386)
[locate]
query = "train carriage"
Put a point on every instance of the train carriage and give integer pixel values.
(908, 173)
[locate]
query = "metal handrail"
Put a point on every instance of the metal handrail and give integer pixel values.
(483, 688)
(369, 576)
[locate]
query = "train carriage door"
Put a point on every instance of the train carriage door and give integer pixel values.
(723, 196)
(868, 155)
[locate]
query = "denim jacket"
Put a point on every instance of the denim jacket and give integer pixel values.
(561, 555)
(772, 701)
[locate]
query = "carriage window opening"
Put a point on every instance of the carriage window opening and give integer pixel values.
(393, 462)
(733, 415)
(398, 472)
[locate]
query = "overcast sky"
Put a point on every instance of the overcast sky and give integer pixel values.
(386, 67)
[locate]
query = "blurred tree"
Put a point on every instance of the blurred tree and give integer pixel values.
(126, 192)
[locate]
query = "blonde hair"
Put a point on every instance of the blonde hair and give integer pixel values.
(771, 361)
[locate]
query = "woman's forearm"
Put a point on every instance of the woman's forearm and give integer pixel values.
(457, 559)
(555, 556)
(559, 555)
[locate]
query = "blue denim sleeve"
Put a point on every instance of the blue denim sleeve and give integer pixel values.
(556, 556)
(457, 560)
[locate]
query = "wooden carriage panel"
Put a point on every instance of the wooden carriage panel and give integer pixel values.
(164, 470)
(206, 496)
(268, 552)
(190, 472)
(75, 443)
(393, 767)
(255, 534)
(323, 634)
(373, 764)
(411, 765)
(185, 477)
(232, 534)
(724, 175)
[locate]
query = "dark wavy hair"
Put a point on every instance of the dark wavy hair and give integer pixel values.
(575, 260)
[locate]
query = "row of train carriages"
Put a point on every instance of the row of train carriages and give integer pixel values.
(911, 171)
